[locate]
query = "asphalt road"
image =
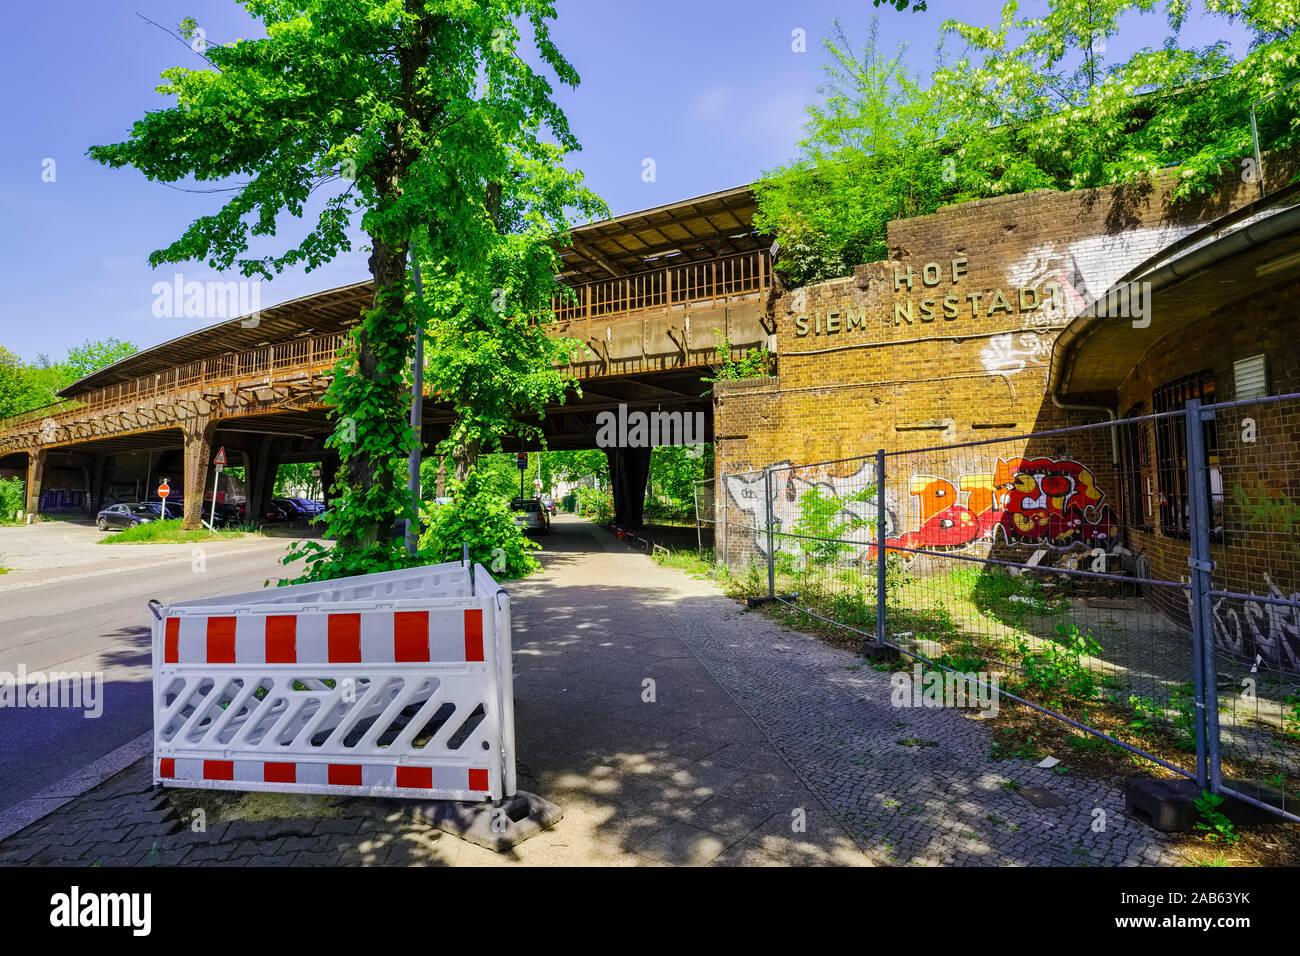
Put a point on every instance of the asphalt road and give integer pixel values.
(75, 605)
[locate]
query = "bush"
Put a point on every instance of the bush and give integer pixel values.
(595, 503)
(478, 514)
(11, 498)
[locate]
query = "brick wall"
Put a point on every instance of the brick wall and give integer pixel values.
(948, 342)
(1255, 459)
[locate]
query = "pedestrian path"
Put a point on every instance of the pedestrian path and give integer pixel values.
(673, 727)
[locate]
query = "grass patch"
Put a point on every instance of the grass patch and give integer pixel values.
(169, 532)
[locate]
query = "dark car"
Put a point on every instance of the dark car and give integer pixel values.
(175, 505)
(225, 515)
(309, 507)
(548, 503)
(287, 509)
(127, 515)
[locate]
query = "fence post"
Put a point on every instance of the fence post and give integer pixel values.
(767, 512)
(881, 631)
(1208, 771)
(699, 537)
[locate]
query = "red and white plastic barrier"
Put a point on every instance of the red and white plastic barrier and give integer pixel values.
(390, 684)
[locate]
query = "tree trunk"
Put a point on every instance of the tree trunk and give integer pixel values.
(465, 457)
(380, 366)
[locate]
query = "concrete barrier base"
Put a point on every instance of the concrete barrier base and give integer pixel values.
(497, 826)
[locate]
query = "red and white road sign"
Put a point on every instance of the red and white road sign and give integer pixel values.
(220, 460)
(164, 489)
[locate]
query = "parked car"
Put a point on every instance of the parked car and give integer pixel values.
(175, 505)
(309, 506)
(548, 503)
(225, 515)
(531, 515)
(126, 516)
(286, 509)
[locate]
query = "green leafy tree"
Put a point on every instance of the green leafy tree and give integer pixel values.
(90, 357)
(869, 156)
(12, 498)
(1030, 102)
(582, 463)
(298, 477)
(479, 515)
(20, 390)
(674, 469)
(426, 119)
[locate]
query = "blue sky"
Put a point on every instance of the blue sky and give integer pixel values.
(710, 89)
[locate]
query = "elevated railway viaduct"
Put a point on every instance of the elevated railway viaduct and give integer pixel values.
(656, 291)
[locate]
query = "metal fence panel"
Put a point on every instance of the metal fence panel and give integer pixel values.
(1251, 473)
(1071, 567)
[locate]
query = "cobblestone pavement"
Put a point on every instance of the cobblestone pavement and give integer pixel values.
(665, 721)
(914, 785)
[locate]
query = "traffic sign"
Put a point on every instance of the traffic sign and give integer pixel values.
(164, 489)
(220, 460)
(521, 460)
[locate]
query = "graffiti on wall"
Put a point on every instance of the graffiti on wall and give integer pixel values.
(1069, 278)
(1009, 353)
(1261, 629)
(1022, 501)
(789, 485)
(1038, 501)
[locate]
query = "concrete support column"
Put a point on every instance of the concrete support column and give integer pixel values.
(261, 483)
(96, 496)
(629, 470)
(35, 476)
(198, 455)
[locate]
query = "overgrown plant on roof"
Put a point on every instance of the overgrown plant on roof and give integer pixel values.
(1031, 101)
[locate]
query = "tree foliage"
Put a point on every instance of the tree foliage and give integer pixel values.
(1030, 102)
(24, 387)
(91, 356)
(426, 119)
(480, 516)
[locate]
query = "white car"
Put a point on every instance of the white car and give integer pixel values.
(530, 515)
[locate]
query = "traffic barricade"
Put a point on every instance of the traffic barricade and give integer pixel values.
(395, 684)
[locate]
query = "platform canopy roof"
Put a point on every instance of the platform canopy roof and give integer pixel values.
(707, 227)
(317, 314)
(1230, 261)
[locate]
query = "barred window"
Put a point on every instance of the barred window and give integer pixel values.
(1171, 453)
(1138, 487)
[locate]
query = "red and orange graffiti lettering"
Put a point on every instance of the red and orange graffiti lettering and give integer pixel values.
(1023, 501)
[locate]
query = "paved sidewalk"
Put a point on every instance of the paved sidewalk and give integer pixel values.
(672, 727)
